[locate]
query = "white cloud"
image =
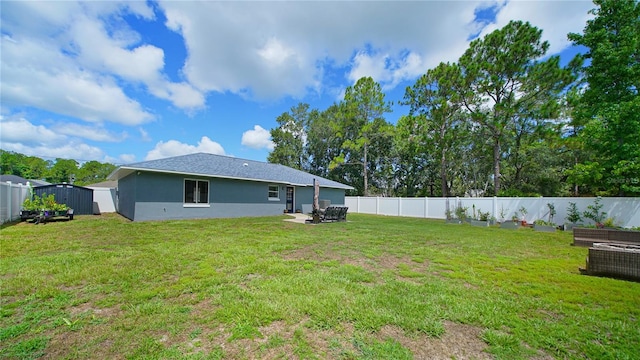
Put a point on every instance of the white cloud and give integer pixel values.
(369, 65)
(70, 58)
(258, 138)
(125, 159)
(36, 74)
(275, 52)
(275, 49)
(71, 150)
(555, 18)
(175, 148)
(20, 135)
(95, 133)
(22, 131)
(143, 63)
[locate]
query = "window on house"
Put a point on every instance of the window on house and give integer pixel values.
(274, 192)
(196, 191)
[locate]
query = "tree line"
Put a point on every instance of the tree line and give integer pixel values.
(55, 172)
(505, 120)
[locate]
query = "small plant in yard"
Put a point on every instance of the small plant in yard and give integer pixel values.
(461, 212)
(72, 325)
(46, 202)
(593, 212)
(503, 213)
(552, 212)
(523, 211)
(448, 214)
(544, 223)
(483, 216)
(573, 215)
(609, 223)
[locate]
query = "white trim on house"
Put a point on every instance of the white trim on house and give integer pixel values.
(192, 205)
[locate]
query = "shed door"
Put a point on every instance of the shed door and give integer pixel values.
(290, 199)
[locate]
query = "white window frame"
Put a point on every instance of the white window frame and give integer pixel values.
(197, 203)
(269, 191)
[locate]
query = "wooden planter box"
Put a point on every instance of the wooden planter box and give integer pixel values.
(510, 225)
(545, 228)
(616, 260)
(571, 226)
(588, 236)
(479, 223)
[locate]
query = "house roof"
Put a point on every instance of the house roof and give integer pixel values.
(15, 179)
(219, 166)
(104, 184)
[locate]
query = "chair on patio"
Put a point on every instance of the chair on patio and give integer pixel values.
(342, 216)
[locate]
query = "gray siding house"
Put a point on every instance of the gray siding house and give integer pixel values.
(215, 186)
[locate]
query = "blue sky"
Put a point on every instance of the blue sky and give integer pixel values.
(123, 82)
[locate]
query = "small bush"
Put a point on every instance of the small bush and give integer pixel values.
(46, 202)
(573, 215)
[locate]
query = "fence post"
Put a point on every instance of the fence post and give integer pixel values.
(399, 206)
(495, 207)
(10, 198)
(426, 207)
(358, 204)
(377, 205)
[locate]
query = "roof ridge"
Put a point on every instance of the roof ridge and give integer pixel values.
(198, 153)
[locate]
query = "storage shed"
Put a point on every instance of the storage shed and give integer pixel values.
(79, 198)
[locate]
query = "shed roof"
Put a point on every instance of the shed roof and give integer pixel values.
(221, 166)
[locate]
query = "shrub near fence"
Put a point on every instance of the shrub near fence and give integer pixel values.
(625, 211)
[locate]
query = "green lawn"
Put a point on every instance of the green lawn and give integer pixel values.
(372, 288)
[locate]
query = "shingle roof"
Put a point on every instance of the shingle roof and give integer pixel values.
(15, 179)
(227, 167)
(104, 184)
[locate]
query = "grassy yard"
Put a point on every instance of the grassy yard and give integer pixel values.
(372, 288)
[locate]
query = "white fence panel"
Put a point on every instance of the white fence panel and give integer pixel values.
(388, 206)
(11, 198)
(438, 207)
(624, 211)
(352, 203)
(413, 207)
(368, 205)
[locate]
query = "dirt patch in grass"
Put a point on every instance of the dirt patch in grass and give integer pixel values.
(458, 342)
(292, 341)
(377, 265)
(278, 340)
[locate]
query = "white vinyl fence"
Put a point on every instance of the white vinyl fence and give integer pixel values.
(11, 198)
(625, 211)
